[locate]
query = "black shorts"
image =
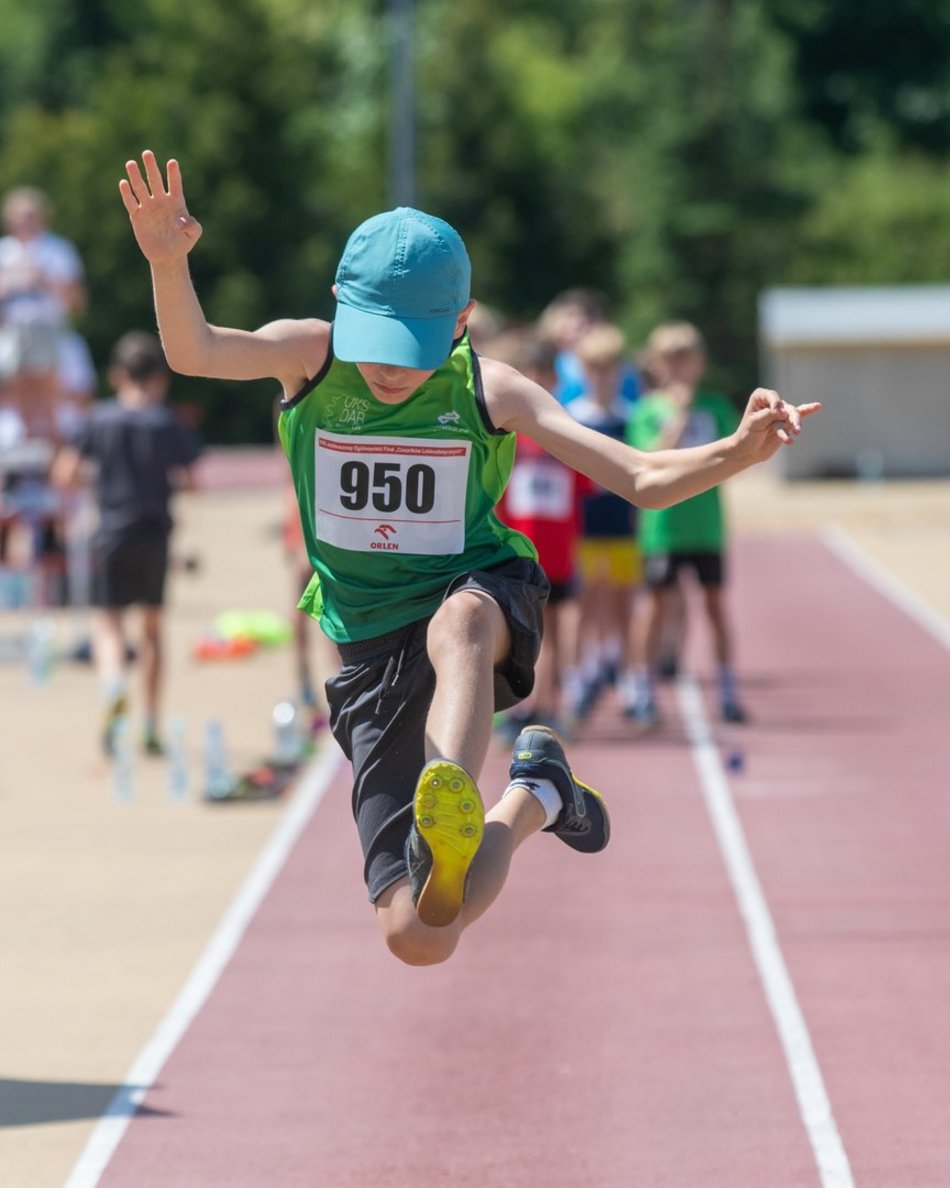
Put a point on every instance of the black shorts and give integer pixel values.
(662, 569)
(561, 592)
(379, 703)
(129, 569)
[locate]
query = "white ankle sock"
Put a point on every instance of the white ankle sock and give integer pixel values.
(544, 792)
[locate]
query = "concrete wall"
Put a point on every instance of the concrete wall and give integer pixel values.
(886, 409)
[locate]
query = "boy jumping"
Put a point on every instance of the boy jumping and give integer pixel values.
(400, 439)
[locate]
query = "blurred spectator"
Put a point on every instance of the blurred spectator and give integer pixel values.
(141, 451)
(609, 559)
(316, 657)
(41, 287)
(485, 325)
(76, 383)
(690, 536)
(564, 321)
(542, 501)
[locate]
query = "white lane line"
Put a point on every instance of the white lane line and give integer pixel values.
(813, 1103)
(142, 1075)
(846, 549)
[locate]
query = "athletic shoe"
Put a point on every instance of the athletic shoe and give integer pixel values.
(583, 823)
(586, 699)
(448, 826)
(643, 714)
(732, 711)
(668, 668)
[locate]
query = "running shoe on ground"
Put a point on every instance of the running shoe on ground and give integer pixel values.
(582, 823)
(732, 711)
(586, 699)
(448, 826)
(118, 708)
(644, 714)
(668, 668)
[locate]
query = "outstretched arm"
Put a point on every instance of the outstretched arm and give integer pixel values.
(656, 479)
(290, 351)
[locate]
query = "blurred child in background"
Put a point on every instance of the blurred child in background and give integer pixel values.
(542, 501)
(608, 557)
(42, 285)
(690, 536)
(564, 322)
(316, 657)
(141, 453)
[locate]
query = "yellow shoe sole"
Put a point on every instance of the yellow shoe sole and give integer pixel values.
(450, 817)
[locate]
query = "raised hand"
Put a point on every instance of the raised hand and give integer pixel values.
(769, 422)
(164, 229)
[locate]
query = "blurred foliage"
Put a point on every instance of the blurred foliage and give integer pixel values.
(681, 155)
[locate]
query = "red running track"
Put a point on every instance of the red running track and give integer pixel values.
(604, 1025)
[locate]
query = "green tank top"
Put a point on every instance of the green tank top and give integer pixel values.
(395, 500)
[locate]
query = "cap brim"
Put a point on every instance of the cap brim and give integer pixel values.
(420, 343)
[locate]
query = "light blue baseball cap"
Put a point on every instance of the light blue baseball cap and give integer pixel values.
(403, 279)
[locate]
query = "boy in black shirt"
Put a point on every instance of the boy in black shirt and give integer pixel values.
(141, 452)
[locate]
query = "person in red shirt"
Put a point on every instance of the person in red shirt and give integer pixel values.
(542, 500)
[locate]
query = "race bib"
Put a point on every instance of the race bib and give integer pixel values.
(540, 487)
(391, 494)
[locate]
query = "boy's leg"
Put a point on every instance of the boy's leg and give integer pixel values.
(109, 647)
(148, 570)
(152, 672)
(640, 695)
(109, 654)
(467, 639)
(719, 625)
(730, 706)
(507, 824)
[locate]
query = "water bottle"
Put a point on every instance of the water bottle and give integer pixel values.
(123, 770)
(870, 465)
(40, 652)
(177, 760)
(288, 745)
(219, 783)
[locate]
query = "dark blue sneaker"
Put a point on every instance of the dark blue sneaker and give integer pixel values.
(733, 711)
(448, 826)
(582, 823)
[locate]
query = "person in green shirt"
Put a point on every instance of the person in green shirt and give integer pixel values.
(400, 439)
(690, 535)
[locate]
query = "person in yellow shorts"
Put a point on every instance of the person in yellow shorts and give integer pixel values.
(609, 564)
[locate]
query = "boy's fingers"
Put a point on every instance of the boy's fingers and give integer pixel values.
(128, 198)
(175, 188)
(794, 418)
(154, 174)
(136, 181)
(761, 418)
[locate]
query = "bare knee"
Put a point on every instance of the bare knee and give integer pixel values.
(468, 618)
(406, 937)
(413, 949)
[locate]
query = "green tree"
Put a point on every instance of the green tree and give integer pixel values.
(862, 68)
(679, 155)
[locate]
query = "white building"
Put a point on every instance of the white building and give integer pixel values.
(879, 360)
